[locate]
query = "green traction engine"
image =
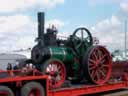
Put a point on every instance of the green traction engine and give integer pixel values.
(75, 59)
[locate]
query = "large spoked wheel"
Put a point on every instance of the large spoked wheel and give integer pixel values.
(98, 65)
(5, 91)
(55, 70)
(32, 89)
(81, 38)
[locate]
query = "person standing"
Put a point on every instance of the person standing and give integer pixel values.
(16, 67)
(9, 66)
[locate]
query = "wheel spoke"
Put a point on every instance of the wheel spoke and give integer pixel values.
(103, 57)
(92, 67)
(59, 68)
(97, 75)
(93, 74)
(91, 64)
(82, 34)
(102, 72)
(78, 46)
(86, 39)
(103, 69)
(99, 54)
(92, 61)
(102, 61)
(48, 69)
(94, 54)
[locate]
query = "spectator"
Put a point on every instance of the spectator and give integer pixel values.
(30, 66)
(27, 68)
(9, 66)
(16, 67)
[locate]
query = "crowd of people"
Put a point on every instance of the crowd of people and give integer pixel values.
(26, 68)
(9, 66)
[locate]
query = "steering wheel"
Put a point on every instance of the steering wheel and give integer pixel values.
(81, 39)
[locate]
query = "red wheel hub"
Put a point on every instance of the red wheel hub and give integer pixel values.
(35, 92)
(56, 73)
(99, 65)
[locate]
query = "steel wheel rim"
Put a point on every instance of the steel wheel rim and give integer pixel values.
(56, 74)
(35, 92)
(99, 65)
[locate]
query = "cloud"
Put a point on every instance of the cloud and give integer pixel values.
(107, 25)
(19, 31)
(99, 2)
(8, 6)
(109, 33)
(124, 6)
(50, 3)
(14, 5)
(13, 23)
(56, 22)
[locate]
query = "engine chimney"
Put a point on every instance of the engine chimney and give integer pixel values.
(41, 22)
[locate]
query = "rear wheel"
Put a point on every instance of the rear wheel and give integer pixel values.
(5, 91)
(98, 65)
(55, 70)
(32, 89)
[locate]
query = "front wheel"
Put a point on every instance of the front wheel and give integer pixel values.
(55, 70)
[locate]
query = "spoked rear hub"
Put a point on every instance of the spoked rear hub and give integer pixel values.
(55, 71)
(35, 92)
(98, 65)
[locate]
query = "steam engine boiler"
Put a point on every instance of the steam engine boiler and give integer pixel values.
(74, 59)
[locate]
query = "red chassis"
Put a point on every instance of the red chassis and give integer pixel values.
(17, 82)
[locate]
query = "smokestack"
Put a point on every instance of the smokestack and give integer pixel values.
(41, 22)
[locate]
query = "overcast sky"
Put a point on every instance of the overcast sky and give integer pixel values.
(104, 18)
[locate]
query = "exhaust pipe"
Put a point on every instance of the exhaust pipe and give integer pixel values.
(41, 22)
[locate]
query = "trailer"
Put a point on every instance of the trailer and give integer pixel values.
(36, 84)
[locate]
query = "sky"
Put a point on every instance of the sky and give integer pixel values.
(104, 18)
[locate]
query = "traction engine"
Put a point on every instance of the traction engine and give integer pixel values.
(74, 59)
